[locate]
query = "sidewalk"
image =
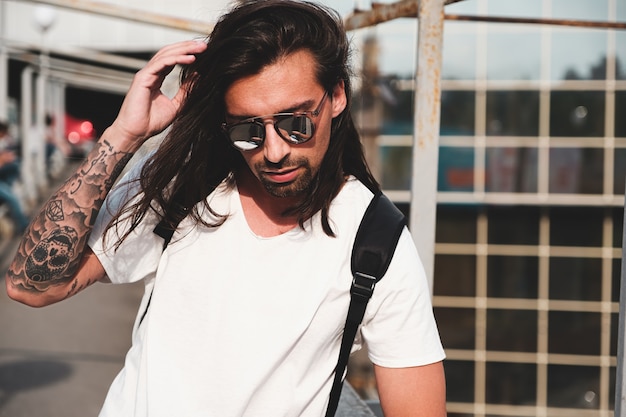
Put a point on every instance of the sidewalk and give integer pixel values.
(59, 361)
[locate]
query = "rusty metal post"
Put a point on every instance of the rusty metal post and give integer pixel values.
(620, 371)
(426, 131)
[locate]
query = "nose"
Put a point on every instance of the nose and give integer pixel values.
(275, 148)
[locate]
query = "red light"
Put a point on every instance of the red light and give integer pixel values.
(73, 137)
(86, 127)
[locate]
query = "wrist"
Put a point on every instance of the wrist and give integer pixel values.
(121, 140)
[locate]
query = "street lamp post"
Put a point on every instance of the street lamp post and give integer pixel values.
(4, 68)
(44, 17)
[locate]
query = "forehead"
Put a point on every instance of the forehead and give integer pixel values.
(280, 86)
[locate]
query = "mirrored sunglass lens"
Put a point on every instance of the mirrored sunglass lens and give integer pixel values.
(247, 136)
(296, 129)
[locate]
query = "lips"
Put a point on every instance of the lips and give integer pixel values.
(282, 176)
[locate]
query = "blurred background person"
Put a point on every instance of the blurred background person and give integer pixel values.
(9, 174)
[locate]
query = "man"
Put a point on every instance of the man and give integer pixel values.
(244, 310)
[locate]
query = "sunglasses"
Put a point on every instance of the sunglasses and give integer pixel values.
(294, 128)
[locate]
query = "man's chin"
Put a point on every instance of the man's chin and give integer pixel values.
(286, 190)
(283, 191)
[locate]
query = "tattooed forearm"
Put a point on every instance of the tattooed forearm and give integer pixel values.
(50, 258)
(88, 187)
(51, 250)
(54, 211)
(76, 288)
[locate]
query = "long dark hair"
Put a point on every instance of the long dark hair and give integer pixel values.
(195, 157)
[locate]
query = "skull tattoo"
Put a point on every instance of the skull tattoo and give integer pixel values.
(49, 259)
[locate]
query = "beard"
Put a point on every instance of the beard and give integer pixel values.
(295, 188)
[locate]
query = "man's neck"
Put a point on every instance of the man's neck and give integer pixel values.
(264, 212)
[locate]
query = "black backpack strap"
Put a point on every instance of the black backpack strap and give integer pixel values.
(165, 231)
(374, 246)
(162, 230)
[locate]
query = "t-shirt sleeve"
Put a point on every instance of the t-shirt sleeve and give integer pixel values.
(399, 326)
(137, 257)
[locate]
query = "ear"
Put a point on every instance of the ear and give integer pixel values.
(339, 101)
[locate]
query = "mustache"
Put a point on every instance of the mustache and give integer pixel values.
(286, 162)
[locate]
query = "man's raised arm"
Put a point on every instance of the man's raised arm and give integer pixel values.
(53, 260)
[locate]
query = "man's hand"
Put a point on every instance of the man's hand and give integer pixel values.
(146, 111)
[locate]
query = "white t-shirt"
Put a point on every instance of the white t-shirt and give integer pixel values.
(242, 325)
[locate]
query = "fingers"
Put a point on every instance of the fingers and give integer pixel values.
(146, 110)
(184, 89)
(185, 48)
(181, 53)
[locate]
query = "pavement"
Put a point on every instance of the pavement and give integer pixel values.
(58, 361)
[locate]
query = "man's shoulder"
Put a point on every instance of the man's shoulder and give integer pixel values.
(354, 191)
(350, 204)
